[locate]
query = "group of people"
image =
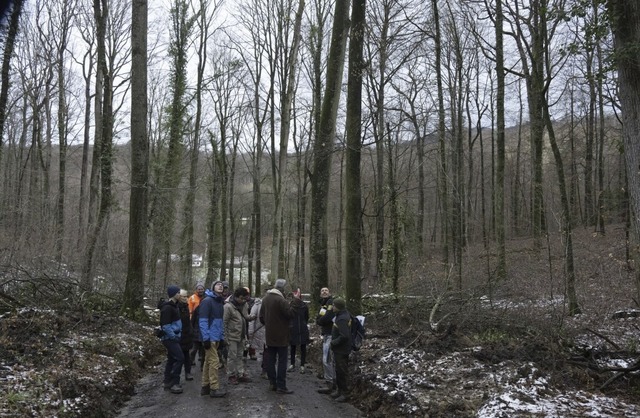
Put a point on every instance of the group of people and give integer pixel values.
(221, 327)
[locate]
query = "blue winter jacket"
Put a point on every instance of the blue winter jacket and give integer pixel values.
(211, 314)
(170, 321)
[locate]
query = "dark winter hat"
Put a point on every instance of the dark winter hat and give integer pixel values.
(280, 284)
(172, 290)
(340, 304)
(215, 283)
(225, 284)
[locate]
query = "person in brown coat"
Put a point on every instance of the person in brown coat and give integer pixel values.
(276, 313)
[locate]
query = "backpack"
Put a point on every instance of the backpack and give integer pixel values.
(357, 333)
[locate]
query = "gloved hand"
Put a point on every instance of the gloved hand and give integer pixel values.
(207, 345)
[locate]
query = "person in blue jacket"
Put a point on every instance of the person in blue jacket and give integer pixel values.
(211, 332)
(171, 324)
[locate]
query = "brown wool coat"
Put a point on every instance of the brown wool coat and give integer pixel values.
(276, 313)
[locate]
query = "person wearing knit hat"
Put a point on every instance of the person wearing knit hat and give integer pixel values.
(339, 304)
(223, 349)
(172, 290)
(186, 339)
(194, 302)
(171, 324)
(341, 347)
(210, 316)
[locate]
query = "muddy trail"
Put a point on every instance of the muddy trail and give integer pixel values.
(245, 399)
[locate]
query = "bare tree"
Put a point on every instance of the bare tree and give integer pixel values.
(323, 148)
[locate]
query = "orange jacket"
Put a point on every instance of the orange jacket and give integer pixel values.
(194, 301)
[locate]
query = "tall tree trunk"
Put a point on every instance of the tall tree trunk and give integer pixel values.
(134, 287)
(285, 128)
(165, 198)
(323, 148)
(100, 185)
(65, 21)
(443, 175)
(14, 26)
(84, 168)
(567, 232)
(501, 270)
(194, 155)
(600, 205)
(625, 18)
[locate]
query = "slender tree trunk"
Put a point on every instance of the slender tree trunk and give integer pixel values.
(99, 184)
(567, 231)
(442, 149)
(84, 168)
(501, 269)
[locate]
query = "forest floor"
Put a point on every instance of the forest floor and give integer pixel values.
(501, 350)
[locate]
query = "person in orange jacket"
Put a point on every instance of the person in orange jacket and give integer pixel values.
(194, 303)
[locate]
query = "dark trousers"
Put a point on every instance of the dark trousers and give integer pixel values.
(265, 357)
(198, 349)
(187, 363)
(342, 371)
(223, 352)
(277, 377)
(175, 359)
(303, 354)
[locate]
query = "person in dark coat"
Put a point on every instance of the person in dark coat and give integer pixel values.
(299, 333)
(171, 325)
(341, 347)
(186, 339)
(325, 321)
(276, 313)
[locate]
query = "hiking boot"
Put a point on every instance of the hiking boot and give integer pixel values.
(233, 380)
(342, 398)
(254, 358)
(245, 379)
(167, 385)
(188, 376)
(175, 389)
(272, 387)
(290, 368)
(264, 375)
(301, 369)
(205, 390)
(335, 394)
(328, 390)
(217, 393)
(284, 391)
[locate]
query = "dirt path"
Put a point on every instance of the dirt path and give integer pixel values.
(246, 399)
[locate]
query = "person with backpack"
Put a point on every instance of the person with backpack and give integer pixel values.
(341, 347)
(171, 325)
